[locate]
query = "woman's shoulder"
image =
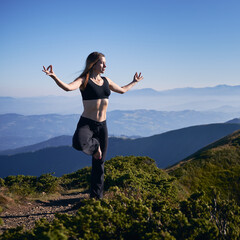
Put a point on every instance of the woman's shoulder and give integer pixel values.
(80, 79)
(106, 78)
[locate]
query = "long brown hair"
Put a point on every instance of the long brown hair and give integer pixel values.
(91, 60)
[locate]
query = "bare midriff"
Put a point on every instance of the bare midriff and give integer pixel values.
(95, 109)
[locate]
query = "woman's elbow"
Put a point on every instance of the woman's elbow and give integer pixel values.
(122, 91)
(68, 89)
(119, 91)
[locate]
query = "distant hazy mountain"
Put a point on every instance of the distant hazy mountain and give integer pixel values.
(150, 122)
(19, 130)
(52, 142)
(166, 149)
(235, 120)
(179, 99)
(219, 90)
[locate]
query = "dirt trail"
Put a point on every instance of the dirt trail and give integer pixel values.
(28, 212)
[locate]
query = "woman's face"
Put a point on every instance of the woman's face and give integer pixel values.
(100, 66)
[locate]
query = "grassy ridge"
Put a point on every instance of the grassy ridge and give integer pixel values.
(216, 166)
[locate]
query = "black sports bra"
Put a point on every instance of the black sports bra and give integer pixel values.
(93, 91)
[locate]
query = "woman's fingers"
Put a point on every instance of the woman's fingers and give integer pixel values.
(44, 69)
(49, 68)
(138, 77)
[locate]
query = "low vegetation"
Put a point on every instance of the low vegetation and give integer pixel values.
(141, 202)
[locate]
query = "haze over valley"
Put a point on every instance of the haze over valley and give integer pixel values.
(221, 98)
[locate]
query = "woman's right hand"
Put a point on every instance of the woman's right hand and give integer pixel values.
(98, 154)
(48, 71)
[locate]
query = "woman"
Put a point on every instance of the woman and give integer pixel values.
(91, 135)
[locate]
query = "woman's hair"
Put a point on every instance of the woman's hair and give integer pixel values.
(92, 59)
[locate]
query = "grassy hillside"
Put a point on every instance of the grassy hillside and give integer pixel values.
(141, 201)
(215, 166)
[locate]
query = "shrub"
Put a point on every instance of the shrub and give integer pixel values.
(21, 185)
(47, 183)
(140, 177)
(27, 185)
(78, 179)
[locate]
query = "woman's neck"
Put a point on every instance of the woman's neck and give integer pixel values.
(95, 76)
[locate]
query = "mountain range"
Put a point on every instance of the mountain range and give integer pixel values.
(166, 149)
(22, 130)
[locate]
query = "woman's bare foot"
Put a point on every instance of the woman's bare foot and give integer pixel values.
(98, 154)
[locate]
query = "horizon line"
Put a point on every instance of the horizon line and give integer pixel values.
(161, 90)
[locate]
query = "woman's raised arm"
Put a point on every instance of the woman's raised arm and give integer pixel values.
(115, 88)
(67, 87)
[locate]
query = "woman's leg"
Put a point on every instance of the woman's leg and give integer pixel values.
(97, 175)
(88, 136)
(83, 139)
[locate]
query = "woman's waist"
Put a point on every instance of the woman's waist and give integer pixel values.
(95, 110)
(95, 104)
(98, 116)
(85, 120)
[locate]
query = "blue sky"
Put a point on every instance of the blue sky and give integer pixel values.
(174, 43)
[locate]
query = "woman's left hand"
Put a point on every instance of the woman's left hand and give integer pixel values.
(137, 77)
(49, 71)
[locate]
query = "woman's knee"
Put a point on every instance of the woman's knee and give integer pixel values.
(88, 146)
